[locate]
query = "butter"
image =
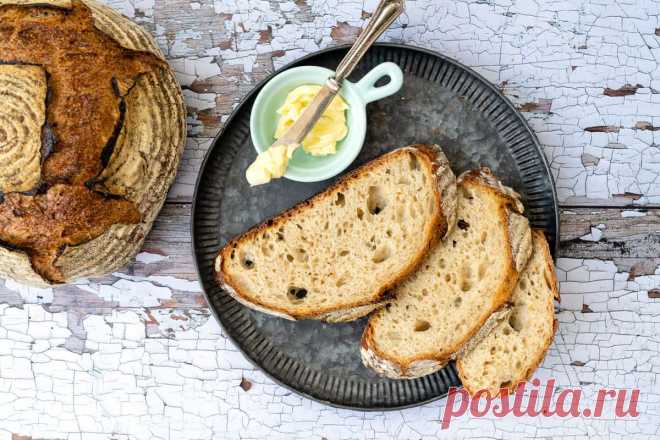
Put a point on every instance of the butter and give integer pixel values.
(330, 128)
(321, 141)
(269, 165)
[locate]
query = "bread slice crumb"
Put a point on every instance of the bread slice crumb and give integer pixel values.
(511, 352)
(464, 280)
(334, 256)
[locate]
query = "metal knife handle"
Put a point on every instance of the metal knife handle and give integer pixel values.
(386, 12)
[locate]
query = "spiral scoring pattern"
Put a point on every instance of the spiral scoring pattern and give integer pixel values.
(146, 154)
(143, 163)
(141, 169)
(22, 114)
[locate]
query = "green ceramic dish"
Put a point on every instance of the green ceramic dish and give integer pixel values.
(304, 167)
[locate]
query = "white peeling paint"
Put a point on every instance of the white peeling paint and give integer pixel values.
(148, 258)
(632, 213)
(595, 235)
(32, 295)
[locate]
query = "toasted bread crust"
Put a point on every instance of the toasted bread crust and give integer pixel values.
(113, 136)
(519, 250)
(438, 228)
(551, 279)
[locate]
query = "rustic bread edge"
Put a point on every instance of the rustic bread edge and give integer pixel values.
(118, 245)
(520, 248)
(445, 189)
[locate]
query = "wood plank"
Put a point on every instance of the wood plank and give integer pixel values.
(610, 233)
(630, 238)
(603, 233)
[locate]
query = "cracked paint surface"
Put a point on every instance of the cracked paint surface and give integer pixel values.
(166, 373)
(585, 74)
(136, 355)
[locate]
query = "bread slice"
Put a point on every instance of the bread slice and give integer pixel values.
(463, 281)
(334, 256)
(516, 346)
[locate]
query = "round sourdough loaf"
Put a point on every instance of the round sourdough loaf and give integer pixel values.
(92, 127)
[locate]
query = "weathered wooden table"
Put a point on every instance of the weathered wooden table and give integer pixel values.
(135, 355)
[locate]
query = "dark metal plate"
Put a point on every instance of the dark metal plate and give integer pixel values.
(441, 102)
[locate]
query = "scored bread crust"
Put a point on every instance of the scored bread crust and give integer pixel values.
(143, 164)
(551, 279)
(445, 193)
(519, 251)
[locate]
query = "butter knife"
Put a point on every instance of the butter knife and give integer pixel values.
(386, 12)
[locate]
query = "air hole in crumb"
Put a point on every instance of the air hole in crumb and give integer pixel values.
(381, 254)
(414, 162)
(462, 224)
(422, 326)
(484, 235)
(506, 331)
(376, 200)
(493, 350)
(360, 213)
(441, 263)
(341, 200)
(301, 255)
(343, 253)
(296, 294)
(457, 301)
(289, 257)
(514, 322)
(466, 278)
(247, 261)
(389, 232)
(523, 284)
(482, 270)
